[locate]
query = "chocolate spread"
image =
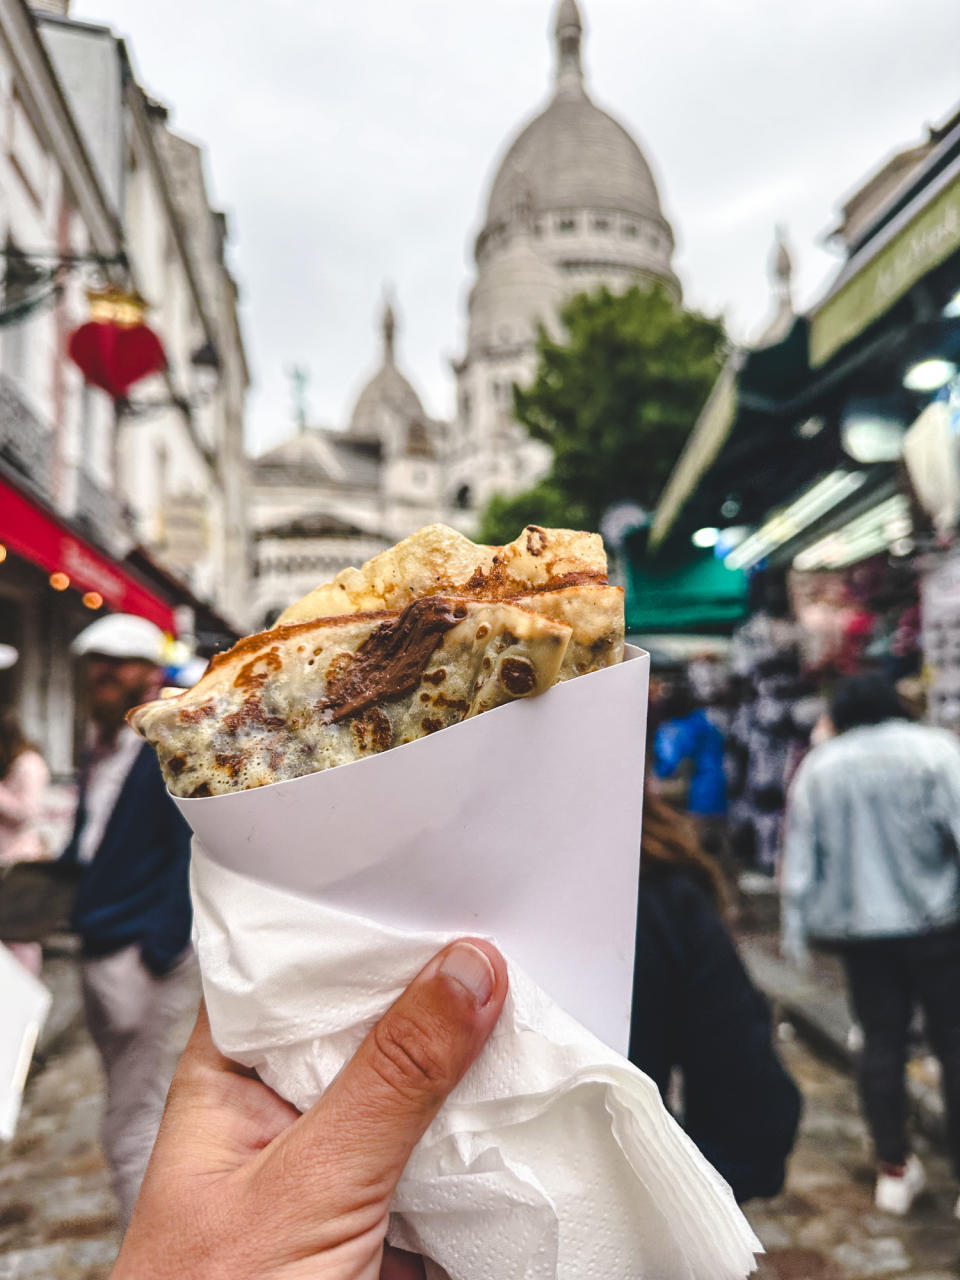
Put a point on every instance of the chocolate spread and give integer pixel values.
(391, 660)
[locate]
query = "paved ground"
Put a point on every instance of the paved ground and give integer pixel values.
(824, 1226)
(57, 1213)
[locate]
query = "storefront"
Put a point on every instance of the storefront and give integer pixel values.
(830, 458)
(53, 582)
(825, 467)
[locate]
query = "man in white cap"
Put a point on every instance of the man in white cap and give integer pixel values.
(133, 905)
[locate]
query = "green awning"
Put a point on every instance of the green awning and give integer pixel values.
(695, 595)
(927, 237)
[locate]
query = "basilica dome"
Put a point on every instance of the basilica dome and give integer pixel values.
(572, 155)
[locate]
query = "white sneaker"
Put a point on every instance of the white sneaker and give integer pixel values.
(895, 1194)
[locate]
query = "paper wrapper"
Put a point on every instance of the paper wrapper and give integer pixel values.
(317, 900)
(24, 1005)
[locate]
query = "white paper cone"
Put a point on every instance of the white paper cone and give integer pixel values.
(24, 1004)
(522, 824)
(317, 900)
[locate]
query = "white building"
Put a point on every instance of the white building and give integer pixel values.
(179, 450)
(140, 510)
(573, 205)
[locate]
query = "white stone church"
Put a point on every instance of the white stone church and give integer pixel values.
(573, 205)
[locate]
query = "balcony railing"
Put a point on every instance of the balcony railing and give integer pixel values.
(107, 520)
(26, 445)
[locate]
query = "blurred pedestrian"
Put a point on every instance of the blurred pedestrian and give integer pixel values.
(696, 1011)
(688, 751)
(24, 777)
(133, 905)
(872, 867)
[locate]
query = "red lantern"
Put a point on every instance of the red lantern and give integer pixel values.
(115, 349)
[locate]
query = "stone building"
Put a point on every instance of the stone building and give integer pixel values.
(137, 507)
(573, 205)
(325, 499)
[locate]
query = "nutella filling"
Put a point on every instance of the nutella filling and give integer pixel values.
(391, 661)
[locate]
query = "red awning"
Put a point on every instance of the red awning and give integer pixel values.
(32, 532)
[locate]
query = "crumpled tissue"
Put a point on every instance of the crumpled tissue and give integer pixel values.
(554, 1158)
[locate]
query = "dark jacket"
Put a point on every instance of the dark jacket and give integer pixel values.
(695, 1009)
(136, 891)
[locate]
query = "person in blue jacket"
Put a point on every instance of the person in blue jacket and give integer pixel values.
(688, 749)
(132, 909)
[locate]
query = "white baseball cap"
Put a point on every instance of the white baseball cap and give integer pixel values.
(121, 635)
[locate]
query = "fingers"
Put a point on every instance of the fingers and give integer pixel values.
(372, 1116)
(201, 1051)
(221, 1103)
(398, 1265)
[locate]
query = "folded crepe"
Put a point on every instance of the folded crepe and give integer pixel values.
(429, 633)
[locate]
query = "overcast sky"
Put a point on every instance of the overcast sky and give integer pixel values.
(353, 144)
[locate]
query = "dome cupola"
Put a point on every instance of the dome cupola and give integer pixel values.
(573, 155)
(388, 397)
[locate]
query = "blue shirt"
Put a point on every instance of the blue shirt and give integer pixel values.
(695, 739)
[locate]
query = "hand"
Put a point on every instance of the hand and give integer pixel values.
(240, 1186)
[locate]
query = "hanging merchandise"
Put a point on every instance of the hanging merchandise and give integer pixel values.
(930, 450)
(115, 349)
(941, 641)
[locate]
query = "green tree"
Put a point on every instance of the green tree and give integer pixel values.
(615, 400)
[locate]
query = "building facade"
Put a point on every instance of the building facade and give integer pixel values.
(573, 205)
(139, 507)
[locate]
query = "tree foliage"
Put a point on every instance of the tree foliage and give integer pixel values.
(615, 400)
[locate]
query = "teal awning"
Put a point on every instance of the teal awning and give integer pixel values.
(696, 594)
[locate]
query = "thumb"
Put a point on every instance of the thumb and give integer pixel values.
(364, 1128)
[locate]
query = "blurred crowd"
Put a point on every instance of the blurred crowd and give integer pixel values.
(820, 781)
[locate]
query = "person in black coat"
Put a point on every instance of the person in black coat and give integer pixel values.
(696, 1011)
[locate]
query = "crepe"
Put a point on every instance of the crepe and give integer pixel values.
(430, 632)
(560, 574)
(312, 695)
(437, 560)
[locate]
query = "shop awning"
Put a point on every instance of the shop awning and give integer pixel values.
(737, 421)
(34, 533)
(924, 235)
(694, 595)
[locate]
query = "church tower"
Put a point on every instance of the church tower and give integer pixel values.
(573, 205)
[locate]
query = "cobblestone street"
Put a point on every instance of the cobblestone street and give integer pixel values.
(57, 1213)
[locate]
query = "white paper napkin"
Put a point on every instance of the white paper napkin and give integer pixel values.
(554, 1159)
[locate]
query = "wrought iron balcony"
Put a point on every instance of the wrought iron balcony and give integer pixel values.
(104, 517)
(26, 444)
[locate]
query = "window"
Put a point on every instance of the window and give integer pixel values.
(538, 229)
(601, 224)
(630, 230)
(566, 225)
(161, 471)
(18, 279)
(464, 498)
(465, 405)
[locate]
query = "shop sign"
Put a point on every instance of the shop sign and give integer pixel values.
(40, 538)
(926, 241)
(185, 529)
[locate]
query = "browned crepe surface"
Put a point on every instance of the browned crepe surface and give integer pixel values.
(430, 632)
